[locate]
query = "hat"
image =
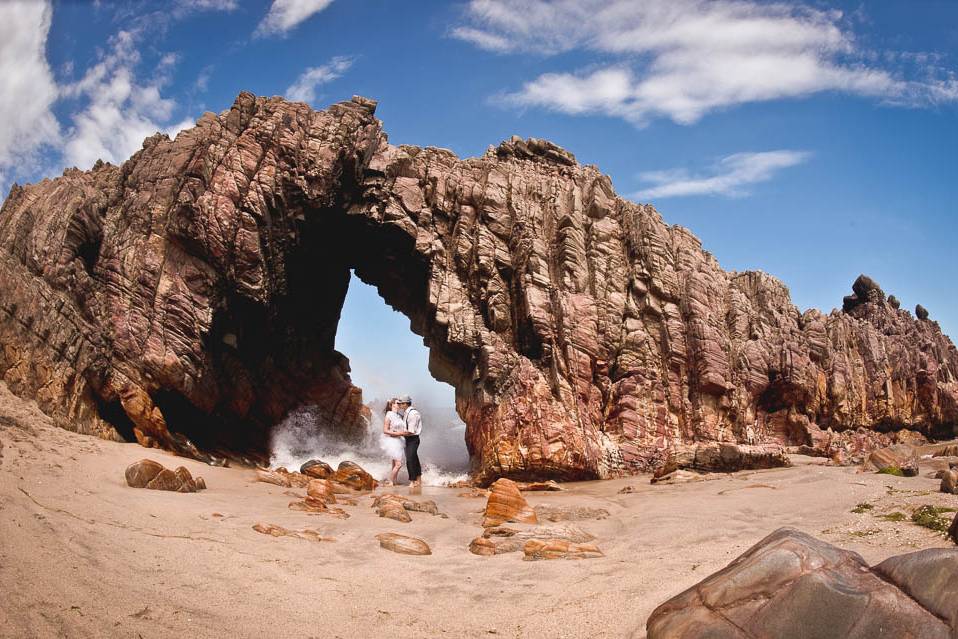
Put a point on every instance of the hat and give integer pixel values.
(404, 399)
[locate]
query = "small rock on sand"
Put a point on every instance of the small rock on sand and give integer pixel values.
(403, 545)
(569, 513)
(278, 531)
(539, 486)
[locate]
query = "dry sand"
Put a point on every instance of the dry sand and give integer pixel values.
(83, 555)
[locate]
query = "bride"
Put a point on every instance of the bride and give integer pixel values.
(392, 444)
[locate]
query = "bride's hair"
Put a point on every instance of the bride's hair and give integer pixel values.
(389, 405)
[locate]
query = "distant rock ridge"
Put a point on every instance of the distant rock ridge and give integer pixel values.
(189, 298)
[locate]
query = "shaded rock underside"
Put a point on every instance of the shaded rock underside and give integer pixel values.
(189, 299)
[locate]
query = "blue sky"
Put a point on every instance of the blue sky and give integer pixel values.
(814, 141)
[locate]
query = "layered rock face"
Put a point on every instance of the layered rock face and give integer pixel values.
(190, 298)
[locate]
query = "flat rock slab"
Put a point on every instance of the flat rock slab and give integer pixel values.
(499, 540)
(278, 531)
(793, 586)
(403, 545)
(536, 549)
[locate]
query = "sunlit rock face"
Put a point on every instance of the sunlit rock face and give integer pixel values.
(190, 297)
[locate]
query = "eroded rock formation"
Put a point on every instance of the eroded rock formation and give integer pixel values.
(190, 297)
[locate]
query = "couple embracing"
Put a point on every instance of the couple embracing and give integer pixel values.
(400, 439)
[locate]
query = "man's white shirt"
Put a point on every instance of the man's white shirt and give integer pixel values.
(413, 420)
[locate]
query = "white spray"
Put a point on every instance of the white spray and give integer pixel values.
(298, 439)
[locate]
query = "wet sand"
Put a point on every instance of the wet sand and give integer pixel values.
(83, 555)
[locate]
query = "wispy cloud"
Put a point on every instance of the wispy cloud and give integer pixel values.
(27, 87)
(682, 59)
(730, 176)
(285, 15)
(121, 109)
(304, 89)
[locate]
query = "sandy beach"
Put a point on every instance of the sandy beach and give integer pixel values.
(84, 555)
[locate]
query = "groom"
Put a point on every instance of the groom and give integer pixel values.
(413, 426)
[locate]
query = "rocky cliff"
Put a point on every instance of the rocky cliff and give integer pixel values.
(190, 297)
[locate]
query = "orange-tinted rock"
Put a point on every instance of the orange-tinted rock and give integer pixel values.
(352, 475)
(403, 544)
(498, 540)
(321, 489)
(200, 483)
(396, 506)
(272, 477)
(391, 507)
(298, 480)
(538, 486)
(476, 492)
(506, 503)
(569, 513)
(313, 505)
(187, 483)
(166, 479)
(147, 473)
(139, 474)
(559, 549)
(317, 469)
(953, 529)
(278, 531)
(482, 546)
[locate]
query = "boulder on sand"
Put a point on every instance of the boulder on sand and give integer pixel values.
(353, 475)
(900, 456)
(949, 482)
(791, 585)
(317, 469)
(147, 473)
(139, 474)
(321, 489)
(506, 503)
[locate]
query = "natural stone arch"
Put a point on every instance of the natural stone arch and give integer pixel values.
(193, 293)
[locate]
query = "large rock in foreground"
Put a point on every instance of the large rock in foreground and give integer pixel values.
(791, 585)
(189, 299)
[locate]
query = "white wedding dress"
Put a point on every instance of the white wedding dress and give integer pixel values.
(394, 447)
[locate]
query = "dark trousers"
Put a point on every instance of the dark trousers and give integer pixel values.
(412, 457)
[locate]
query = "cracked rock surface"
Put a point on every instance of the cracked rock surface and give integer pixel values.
(189, 299)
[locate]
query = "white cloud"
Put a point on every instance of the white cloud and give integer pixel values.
(209, 5)
(285, 15)
(120, 111)
(728, 177)
(183, 7)
(304, 89)
(682, 59)
(27, 88)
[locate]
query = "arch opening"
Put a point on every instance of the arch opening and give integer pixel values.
(274, 363)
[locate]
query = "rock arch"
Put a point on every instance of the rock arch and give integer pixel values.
(191, 296)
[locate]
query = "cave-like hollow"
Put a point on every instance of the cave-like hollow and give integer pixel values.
(263, 360)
